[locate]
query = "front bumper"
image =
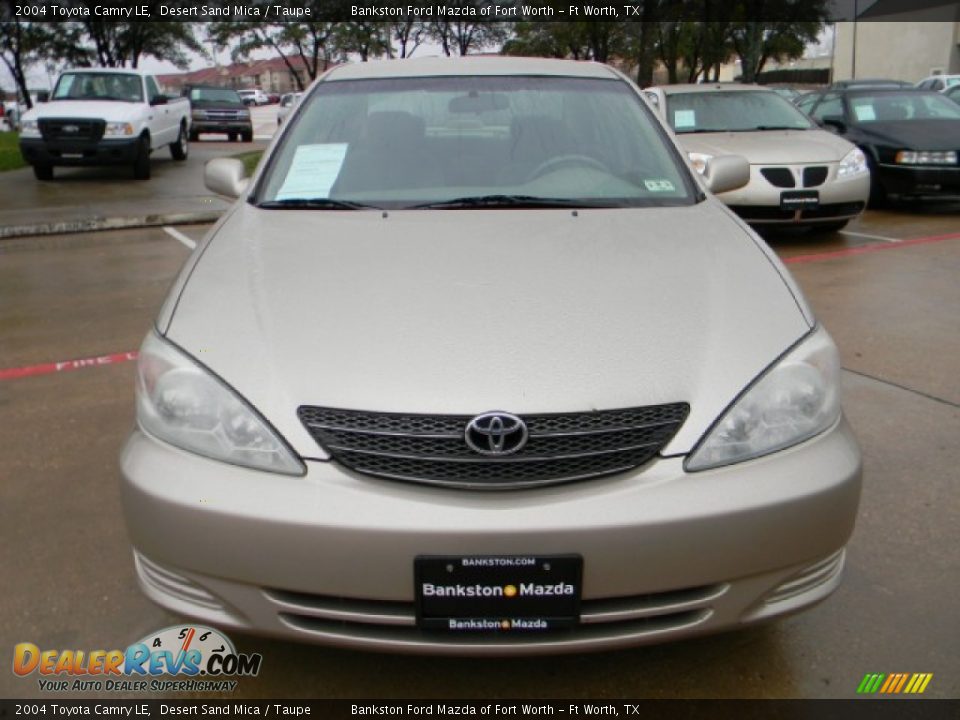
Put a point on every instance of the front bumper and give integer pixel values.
(221, 126)
(328, 557)
(913, 181)
(38, 151)
(758, 202)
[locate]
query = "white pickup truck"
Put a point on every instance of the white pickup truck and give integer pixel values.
(104, 116)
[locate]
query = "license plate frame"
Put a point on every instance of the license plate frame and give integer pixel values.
(545, 595)
(799, 200)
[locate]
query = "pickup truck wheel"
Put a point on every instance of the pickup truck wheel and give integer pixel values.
(248, 135)
(181, 148)
(141, 166)
(43, 172)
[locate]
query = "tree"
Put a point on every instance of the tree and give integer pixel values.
(118, 44)
(409, 35)
(793, 24)
(365, 38)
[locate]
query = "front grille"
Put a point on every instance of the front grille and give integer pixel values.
(774, 213)
(779, 176)
(814, 176)
(222, 114)
(431, 449)
(71, 128)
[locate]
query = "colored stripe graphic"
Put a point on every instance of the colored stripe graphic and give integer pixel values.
(894, 683)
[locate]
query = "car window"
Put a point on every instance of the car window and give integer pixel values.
(831, 104)
(895, 106)
(732, 111)
(152, 90)
(405, 141)
(214, 95)
(806, 102)
(121, 87)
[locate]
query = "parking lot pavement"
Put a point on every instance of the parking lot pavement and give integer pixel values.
(892, 312)
(103, 197)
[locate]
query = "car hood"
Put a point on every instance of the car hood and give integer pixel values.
(929, 134)
(109, 110)
(461, 312)
(766, 147)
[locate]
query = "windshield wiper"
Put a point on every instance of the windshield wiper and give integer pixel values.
(701, 130)
(771, 127)
(504, 201)
(312, 204)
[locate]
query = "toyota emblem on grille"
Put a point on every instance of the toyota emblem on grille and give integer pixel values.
(496, 433)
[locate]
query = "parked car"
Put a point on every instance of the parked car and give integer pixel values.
(253, 96)
(939, 83)
(477, 364)
(787, 93)
(287, 103)
(953, 93)
(104, 116)
(273, 98)
(218, 110)
(799, 174)
(869, 82)
(911, 138)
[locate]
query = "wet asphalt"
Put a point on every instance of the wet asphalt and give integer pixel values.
(66, 564)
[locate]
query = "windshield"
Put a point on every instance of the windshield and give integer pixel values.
(122, 87)
(214, 95)
(896, 106)
(489, 141)
(732, 111)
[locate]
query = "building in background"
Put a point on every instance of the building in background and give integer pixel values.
(271, 76)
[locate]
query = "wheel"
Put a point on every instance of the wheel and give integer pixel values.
(43, 172)
(248, 135)
(141, 166)
(181, 148)
(829, 227)
(555, 163)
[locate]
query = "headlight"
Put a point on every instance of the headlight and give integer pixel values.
(699, 161)
(118, 129)
(853, 163)
(184, 404)
(795, 399)
(29, 128)
(198, 114)
(926, 157)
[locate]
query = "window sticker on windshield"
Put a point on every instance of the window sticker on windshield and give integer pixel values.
(865, 113)
(659, 185)
(684, 118)
(313, 171)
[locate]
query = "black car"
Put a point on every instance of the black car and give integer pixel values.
(218, 110)
(911, 137)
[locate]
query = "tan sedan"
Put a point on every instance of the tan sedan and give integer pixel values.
(799, 174)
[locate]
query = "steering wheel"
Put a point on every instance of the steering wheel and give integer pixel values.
(555, 163)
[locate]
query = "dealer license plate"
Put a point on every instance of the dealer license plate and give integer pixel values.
(498, 594)
(799, 199)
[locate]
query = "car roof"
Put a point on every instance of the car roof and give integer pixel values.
(486, 65)
(711, 88)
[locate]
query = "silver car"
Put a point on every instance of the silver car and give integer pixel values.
(477, 364)
(799, 174)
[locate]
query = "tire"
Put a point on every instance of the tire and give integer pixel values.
(43, 172)
(829, 227)
(248, 135)
(141, 166)
(181, 148)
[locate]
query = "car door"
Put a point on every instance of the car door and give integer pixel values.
(164, 124)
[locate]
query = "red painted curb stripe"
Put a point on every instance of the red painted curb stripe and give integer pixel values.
(66, 365)
(863, 249)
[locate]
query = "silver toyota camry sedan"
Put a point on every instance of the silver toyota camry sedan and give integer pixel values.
(478, 364)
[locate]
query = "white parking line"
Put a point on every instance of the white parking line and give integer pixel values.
(871, 237)
(190, 243)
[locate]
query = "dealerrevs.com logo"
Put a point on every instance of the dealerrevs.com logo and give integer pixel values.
(204, 656)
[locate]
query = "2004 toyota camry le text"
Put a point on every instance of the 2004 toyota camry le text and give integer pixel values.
(478, 364)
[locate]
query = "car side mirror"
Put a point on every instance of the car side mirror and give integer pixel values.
(225, 176)
(726, 172)
(834, 123)
(158, 100)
